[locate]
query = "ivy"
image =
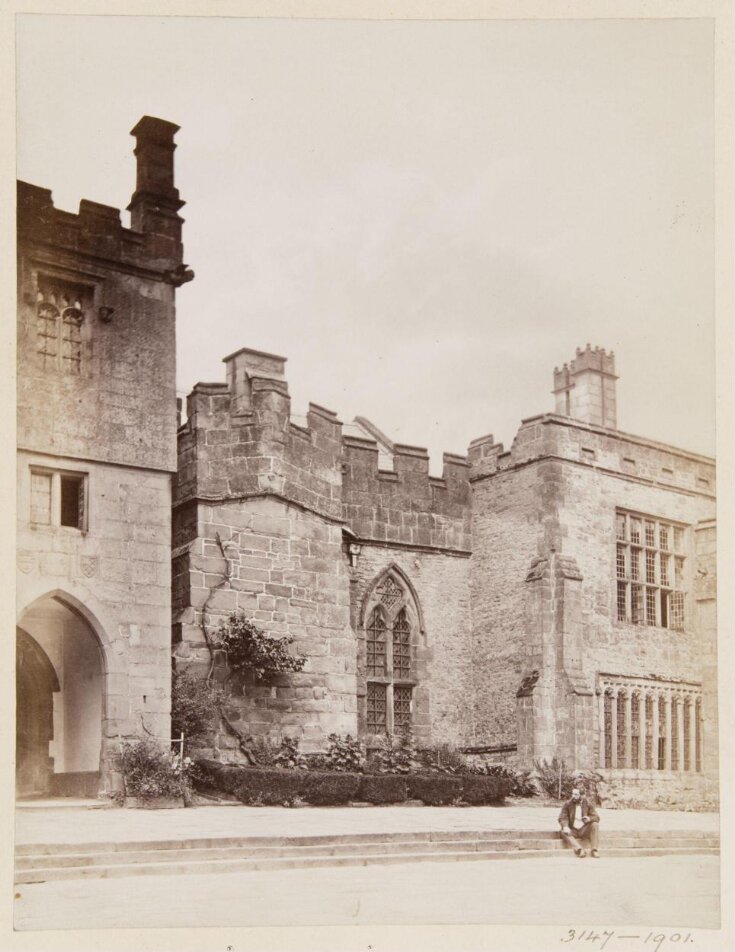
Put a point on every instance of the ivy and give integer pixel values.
(248, 648)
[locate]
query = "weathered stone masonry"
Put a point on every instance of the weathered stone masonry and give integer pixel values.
(288, 503)
(557, 598)
(96, 416)
(506, 567)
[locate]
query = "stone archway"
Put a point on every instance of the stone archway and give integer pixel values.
(59, 702)
(35, 685)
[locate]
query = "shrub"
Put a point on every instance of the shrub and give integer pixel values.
(194, 707)
(262, 751)
(522, 783)
(477, 789)
(316, 761)
(433, 789)
(396, 755)
(550, 773)
(554, 778)
(151, 770)
(382, 788)
(249, 648)
(288, 755)
(443, 758)
(343, 753)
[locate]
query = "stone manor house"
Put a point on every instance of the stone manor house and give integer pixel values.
(555, 598)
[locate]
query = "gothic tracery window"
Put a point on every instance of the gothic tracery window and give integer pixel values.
(389, 664)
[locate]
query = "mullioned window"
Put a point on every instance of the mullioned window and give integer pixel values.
(650, 571)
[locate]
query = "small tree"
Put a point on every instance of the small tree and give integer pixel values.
(248, 648)
(195, 707)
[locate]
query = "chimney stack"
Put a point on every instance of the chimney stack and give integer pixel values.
(155, 203)
(585, 388)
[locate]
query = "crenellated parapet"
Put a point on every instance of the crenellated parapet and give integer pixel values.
(405, 505)
(150, 248)
(240, 441)
(554, 437)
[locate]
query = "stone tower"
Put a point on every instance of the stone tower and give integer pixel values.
(96, 453)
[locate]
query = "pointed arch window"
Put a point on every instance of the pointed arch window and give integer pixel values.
(391, 629)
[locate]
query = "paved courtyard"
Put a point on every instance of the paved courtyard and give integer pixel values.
(676, 891)
(43, 824)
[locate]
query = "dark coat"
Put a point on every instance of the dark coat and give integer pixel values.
(587, 808)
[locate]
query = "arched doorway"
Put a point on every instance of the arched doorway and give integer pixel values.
(35, 684)
(59, 702)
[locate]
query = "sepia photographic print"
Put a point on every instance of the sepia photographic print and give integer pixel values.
(366, 380)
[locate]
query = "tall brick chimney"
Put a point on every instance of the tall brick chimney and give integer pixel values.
(155, 203)
(585, 387)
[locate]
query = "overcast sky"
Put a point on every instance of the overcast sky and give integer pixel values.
(424, 217)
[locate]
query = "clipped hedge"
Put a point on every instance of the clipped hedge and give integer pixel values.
(477, 789)
(434, 789)
(382, 788)
(327, 789)
(272, 786)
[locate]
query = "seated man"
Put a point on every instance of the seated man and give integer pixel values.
(578, 821)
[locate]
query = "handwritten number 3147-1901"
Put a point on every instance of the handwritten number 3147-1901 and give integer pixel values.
(654, 939)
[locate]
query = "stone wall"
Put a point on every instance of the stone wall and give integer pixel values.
(554, 496)
(290, 502)
(284, 568)
(116, 576)
(507, 534)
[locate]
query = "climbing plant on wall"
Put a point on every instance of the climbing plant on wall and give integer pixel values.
(249, 648)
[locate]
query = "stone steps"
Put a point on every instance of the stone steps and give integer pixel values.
(48, 862)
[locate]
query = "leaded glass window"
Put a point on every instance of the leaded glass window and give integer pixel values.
(401, 707)
(71, 341)
(59, 319)
(389, 592)
(401, 646)
(47, 328)
(377, 657)
(621, 728)
(635, 729)
(376, 720)
(649, 579)
(661, 753)
(649, 732)
(687, 735)
(389, 662)
(664, 729)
